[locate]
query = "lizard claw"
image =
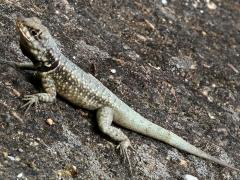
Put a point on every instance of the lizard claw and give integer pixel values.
(123, 151)
(31, 100)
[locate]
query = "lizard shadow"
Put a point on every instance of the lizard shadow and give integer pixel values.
(31, 77)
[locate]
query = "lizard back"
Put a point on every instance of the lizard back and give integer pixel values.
(79, 87)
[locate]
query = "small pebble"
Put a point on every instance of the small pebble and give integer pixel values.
(149, 24)
(20, 150)
(189, 177)
(140, 37)
(204, 33)
(211, 5)
(68, 171)
(16, 92)
(214, 85)
(183, 162)
(113, 71)
(164, 2)
(5, 154)
(11, 158)
(20, 175)
(211, 115)
(210, 98)
(14, 158)
(17, 158)
(50, 122)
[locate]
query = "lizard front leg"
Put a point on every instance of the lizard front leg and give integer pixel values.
(48, 96)
(24, 65)
(105, 118)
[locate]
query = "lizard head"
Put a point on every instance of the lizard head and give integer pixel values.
(35, 41)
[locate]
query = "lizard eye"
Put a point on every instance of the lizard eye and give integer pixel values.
(33, 31)
(36, 33)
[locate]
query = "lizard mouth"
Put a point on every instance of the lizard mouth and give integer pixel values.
(22, 29)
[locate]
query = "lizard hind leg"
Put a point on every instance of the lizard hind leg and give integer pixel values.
(105, 118)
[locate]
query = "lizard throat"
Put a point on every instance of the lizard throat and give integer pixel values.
(52, 66)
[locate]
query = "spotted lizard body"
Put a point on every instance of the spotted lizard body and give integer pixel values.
(60, 75)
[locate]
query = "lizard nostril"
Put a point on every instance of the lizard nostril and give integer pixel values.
(34, 33)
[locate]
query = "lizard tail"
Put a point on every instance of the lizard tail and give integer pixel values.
(143, 126)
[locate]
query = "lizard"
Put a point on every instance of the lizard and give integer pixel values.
(59, 75)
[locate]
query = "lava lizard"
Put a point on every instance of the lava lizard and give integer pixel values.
(60, 75)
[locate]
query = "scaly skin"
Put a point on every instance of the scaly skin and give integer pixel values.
(60, 75)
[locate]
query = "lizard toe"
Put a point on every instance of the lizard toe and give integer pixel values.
(123, 147)
(31, 100)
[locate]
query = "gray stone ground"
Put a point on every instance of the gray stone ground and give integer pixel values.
(176, 62)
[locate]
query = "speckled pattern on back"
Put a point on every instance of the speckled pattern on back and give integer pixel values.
(79, 87)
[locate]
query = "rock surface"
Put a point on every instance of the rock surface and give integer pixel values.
(177, 63)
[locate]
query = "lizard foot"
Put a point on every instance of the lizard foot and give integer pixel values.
(123, 146)
(31, 100)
